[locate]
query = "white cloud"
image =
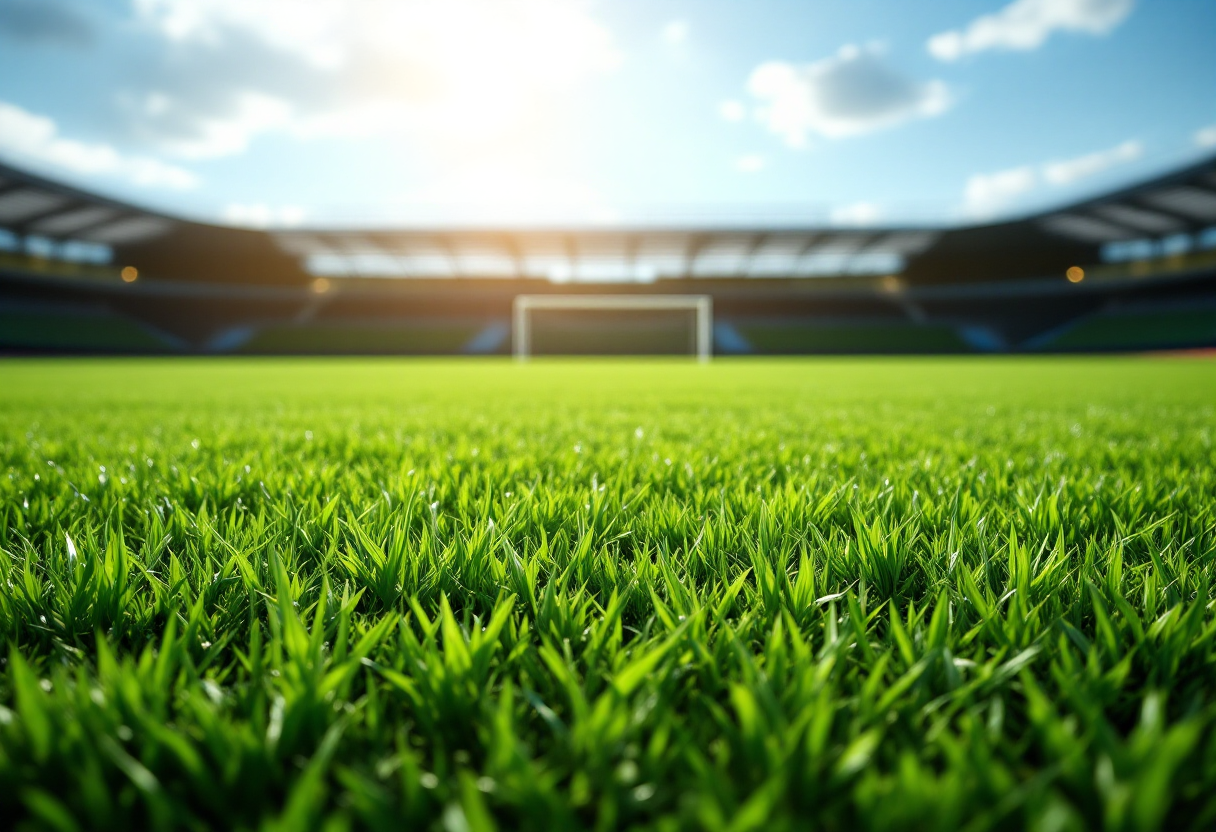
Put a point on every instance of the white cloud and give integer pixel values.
(676, 32)
(308, 28)
(260, 215)
(985, 193)
(463, 71)
(35, 139)
(732, 110)
(850, 93)
(210, 135)
(751, 163)
(1026, 24)
(859, 213)
(1070, 170)
(1206, 136)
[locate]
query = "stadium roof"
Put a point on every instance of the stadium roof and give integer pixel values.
(46, 219)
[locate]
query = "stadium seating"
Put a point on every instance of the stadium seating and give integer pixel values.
(1131, 270)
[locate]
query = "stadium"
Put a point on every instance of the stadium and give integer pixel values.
(573, 415)
(1143, 277)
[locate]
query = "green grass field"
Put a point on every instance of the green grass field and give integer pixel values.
(769, 595)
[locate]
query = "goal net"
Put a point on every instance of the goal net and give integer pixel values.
(613, 324)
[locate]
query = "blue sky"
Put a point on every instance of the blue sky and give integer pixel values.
(325, 112)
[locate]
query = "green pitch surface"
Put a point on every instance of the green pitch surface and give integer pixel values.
(838, 594)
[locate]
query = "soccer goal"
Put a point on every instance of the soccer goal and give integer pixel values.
(700, 341)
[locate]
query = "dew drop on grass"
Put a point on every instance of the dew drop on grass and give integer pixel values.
(627, 772)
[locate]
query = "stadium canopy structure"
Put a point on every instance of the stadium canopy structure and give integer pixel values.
(1132, 269)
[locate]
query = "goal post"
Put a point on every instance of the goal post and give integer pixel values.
(700, 305)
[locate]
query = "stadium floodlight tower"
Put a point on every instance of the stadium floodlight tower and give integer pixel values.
(701, 305)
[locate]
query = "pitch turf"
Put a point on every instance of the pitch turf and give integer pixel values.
(839, 594)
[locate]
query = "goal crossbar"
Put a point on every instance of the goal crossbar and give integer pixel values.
(702, 305)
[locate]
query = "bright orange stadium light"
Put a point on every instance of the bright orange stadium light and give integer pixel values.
(129, 274)
(1075, 274)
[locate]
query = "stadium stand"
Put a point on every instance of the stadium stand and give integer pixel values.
(1131, 270)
